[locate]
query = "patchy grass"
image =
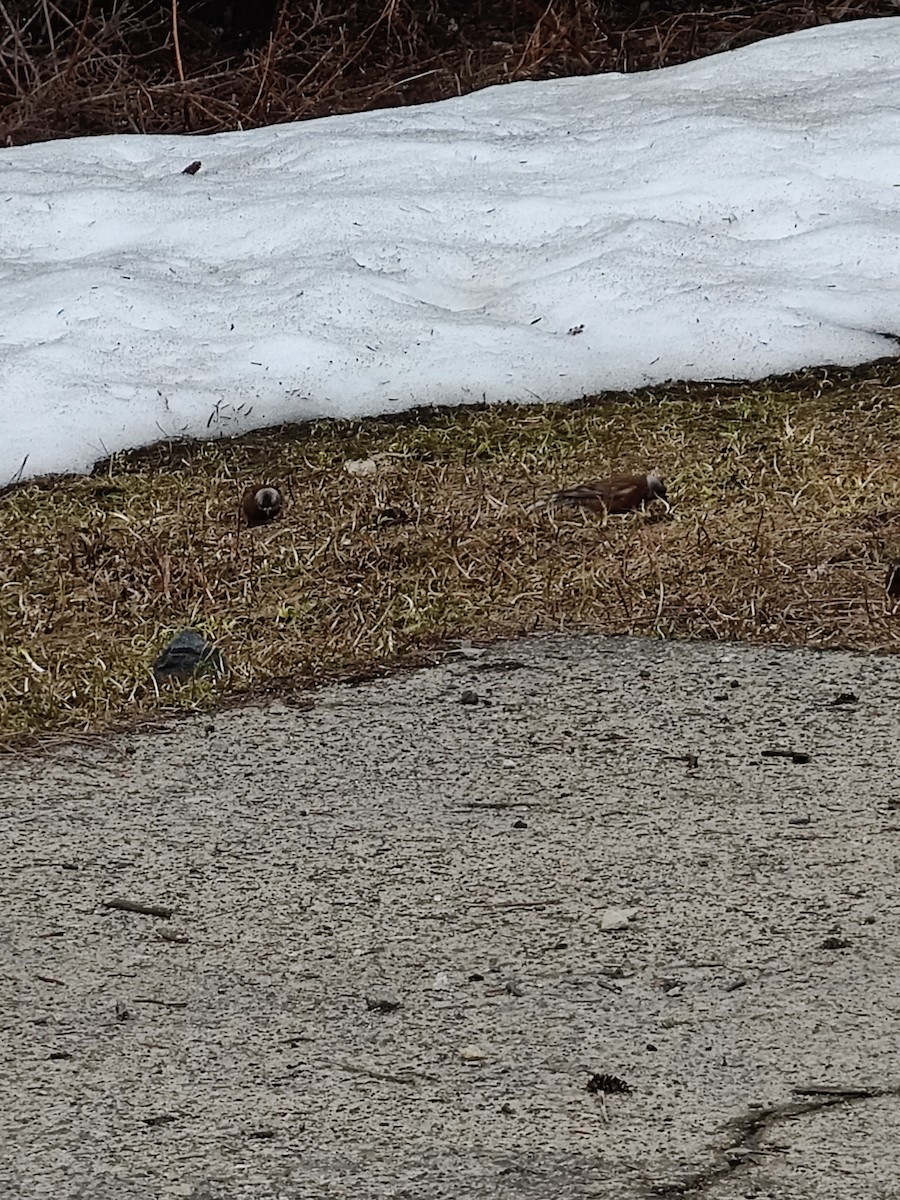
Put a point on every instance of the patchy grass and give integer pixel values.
(786, 511)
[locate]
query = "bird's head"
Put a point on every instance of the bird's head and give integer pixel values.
(268, 500)
(656, 487)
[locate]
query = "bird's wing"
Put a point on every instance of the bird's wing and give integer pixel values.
(582, 493)
(625, 492)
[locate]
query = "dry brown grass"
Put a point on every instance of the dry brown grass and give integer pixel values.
(786, 511)
(70, 67)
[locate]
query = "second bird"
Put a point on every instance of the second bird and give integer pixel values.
(615, 494)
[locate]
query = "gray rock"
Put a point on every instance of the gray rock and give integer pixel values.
(383, 1001)
(188, 655)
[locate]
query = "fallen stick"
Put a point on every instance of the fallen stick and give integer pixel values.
(407, 1075)
(162, 1003)
(498, 805)
(825, 1090)
(136, 906)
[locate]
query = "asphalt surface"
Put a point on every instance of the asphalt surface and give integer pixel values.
(386, 973)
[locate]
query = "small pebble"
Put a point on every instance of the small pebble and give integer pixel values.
(361, 466)
(520, 824)
(472, 1054)
(617, 918)
(469, 697)
(383, 1002)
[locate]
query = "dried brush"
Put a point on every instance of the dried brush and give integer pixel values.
(608, 1085)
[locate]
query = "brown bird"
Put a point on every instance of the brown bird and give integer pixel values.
(260, 505)
(615, 494)
(892, 583)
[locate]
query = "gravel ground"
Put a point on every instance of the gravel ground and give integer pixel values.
(393, 845)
